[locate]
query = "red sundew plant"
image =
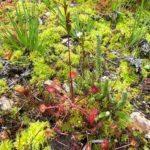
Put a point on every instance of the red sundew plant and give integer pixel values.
(92, 116)
(74, 74)
(61, 107)
(43, 108)
(64, 97)
(8, 1)
(51, 89)
(105, 145)
(94, 89)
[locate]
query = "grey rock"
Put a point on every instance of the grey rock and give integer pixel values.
(141, 123)
(5, 103)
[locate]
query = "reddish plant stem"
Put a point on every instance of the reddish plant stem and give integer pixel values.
(52, 107)
(122, 146)
(61, 143)
(70, 78)
(80, 109)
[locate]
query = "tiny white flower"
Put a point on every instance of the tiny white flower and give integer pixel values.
(104, 78)
(107, 113)
(47, 14)
(79, 34)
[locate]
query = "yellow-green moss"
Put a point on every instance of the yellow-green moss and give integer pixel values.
(74, 121)
(3, 86)
(127, 73)
(6, 145)
(34, 137)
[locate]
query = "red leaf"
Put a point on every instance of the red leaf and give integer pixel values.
(73, 74)
(51, 89)
(8, 1)
(61, 108)
(105, 145)
(92, 116)
(64, 97)
(94, 89)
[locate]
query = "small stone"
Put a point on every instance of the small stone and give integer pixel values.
(65, 41)
(140, 123)
(5, 103)
(66, 87)
(73, 4)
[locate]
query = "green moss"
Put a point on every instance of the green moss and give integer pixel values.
(33, 137)
(41, 71)
(111, 56)
(74, 58)
(1, 66)
(3, 86)
(59, 49)
(41, 8)
(49, 36)
(17, 54)
(47, 148)
(145, 68)
(103, 28)
(34, 56)
(148, 37)
(1, 52)
(6, 145)
(74, 121)
(127, 73)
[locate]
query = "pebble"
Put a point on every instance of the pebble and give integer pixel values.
(5, 103)
(141, 123)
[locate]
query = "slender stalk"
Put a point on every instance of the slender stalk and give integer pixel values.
(124, 146)
(98, 59)
(83, 55)
(70, 78)
(68, 28)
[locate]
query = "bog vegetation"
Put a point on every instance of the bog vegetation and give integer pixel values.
(72, 72)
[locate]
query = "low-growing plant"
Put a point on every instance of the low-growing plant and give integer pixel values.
(139, 29)
(34, 137)
(7, 144)
(3, 86)
(22, 32)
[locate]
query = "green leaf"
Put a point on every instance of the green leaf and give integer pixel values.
(103, 115)
(122, 103)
